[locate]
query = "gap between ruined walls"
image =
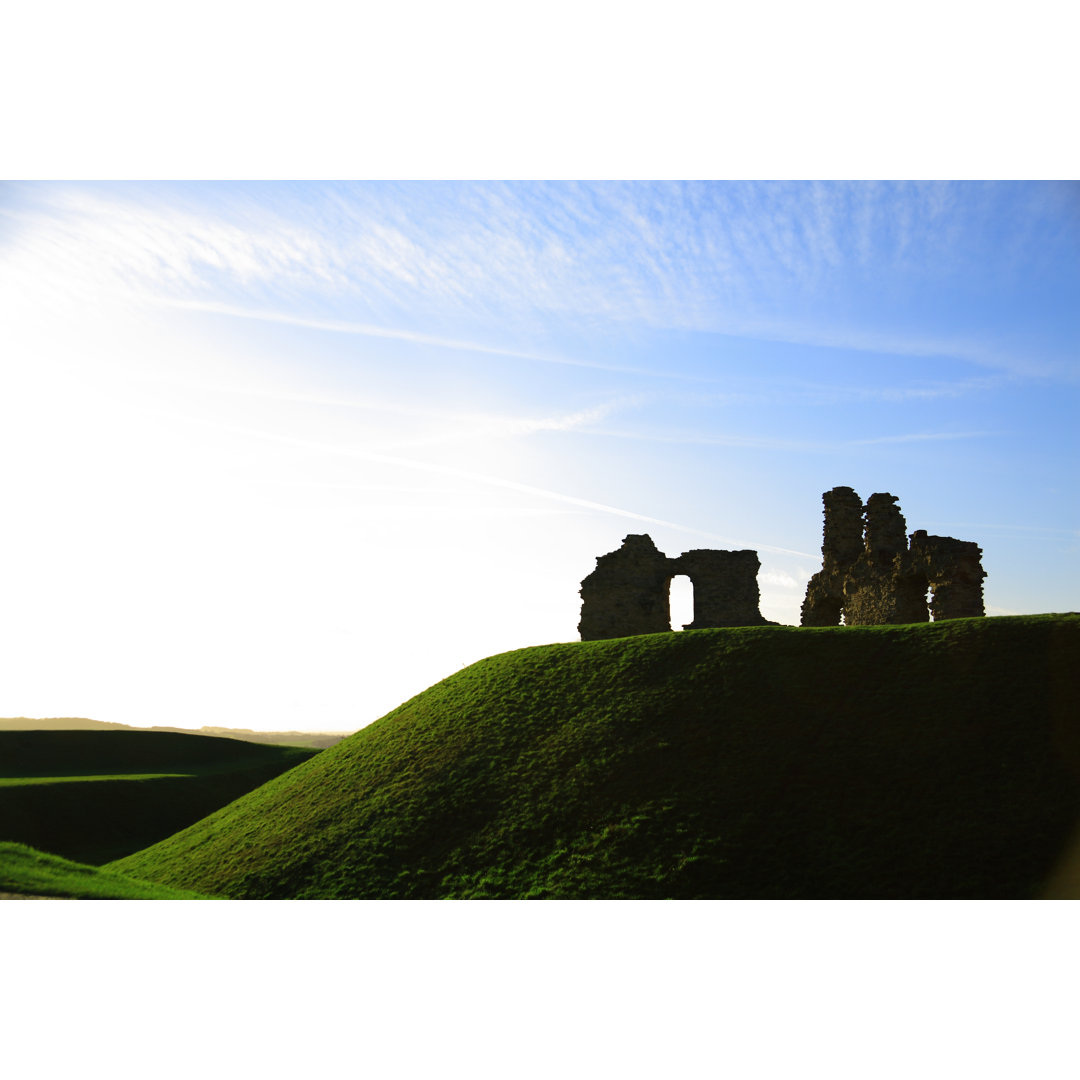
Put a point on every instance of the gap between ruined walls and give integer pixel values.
(870, 575)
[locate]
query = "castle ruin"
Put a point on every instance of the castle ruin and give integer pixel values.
(629, 591)
(871, 575)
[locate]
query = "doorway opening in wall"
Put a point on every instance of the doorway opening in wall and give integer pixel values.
(682, 601)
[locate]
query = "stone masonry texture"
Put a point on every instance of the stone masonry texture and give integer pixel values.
(871, 575)
(629, 591)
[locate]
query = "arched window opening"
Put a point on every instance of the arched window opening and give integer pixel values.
(682, 602)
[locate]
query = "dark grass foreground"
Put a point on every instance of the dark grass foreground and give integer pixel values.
(924, 761)
(97, 795)
(36, 873)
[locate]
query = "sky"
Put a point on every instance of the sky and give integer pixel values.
(282, 455)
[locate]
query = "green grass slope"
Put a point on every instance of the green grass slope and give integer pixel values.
(36, 873)
(927, 761)
(97, 795)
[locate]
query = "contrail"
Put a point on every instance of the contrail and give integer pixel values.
(482, 478)
(369, 330)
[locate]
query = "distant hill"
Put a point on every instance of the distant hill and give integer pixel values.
(927, 761)
(96, 795)
(317, 739)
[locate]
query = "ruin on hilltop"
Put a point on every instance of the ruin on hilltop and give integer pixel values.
(629, 591)
(871, 575)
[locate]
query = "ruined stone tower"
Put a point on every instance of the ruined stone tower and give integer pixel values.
(629, 591)
(870, 574)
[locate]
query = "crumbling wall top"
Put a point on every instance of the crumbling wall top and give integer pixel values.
(871, 575)
(886, 530)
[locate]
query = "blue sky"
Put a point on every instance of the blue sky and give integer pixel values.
(282, 455)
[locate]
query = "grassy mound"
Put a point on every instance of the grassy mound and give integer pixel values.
(36, 873)
(98, 795)
(934, 761)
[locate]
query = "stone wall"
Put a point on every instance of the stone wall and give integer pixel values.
(629, 591)
(870, 575)
(954, 572)
(725, 587)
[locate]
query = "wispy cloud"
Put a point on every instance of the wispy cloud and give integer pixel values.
(779, 262)
(915, 392)
(587, 504)
(339, 326)
(126, 241)
(767, 442)
(445, 426)
(483, 428)
(360, 453)
(911, 343)
(791, 389)
(780, 580)
(925, 436)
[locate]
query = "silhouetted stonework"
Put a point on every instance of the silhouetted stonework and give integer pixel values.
(725, 587)
(629, 591)
(870, 575)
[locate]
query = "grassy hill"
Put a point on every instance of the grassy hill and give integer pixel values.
(926, 761)
(27, 872)
(96, 795)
